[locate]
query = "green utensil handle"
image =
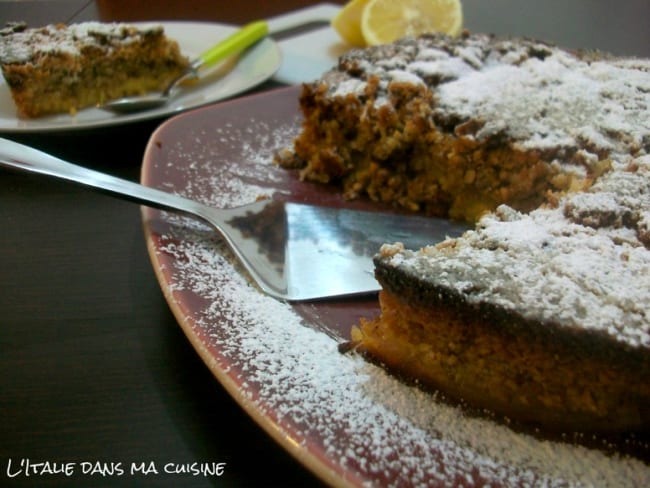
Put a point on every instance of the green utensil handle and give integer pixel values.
(238, 41)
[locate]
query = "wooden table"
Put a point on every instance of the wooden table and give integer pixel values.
(93, 367)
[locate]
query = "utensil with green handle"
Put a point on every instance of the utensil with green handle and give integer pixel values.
(237, 42)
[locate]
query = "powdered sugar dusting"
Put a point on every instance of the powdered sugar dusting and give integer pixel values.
(534, 96)
(368, 424)
(27, 45)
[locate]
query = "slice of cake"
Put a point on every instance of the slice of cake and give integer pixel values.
(542, 313)
(61, 69)
(542, 317)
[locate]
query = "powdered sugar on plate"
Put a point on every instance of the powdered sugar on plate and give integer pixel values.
(346, 415)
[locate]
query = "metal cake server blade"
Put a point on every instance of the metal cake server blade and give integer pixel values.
(294, 252)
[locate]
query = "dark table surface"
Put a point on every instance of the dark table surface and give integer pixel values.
(93, 366)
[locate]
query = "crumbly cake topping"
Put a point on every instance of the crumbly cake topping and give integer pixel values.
(584, 264)
(548, 99)
(21, 45)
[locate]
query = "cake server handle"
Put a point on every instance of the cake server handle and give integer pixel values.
(240, 40)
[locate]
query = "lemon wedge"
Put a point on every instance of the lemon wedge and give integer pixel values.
(347, 23)
(384, 21)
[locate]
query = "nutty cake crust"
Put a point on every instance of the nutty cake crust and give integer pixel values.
(60, 68)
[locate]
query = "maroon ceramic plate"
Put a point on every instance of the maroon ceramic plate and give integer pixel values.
(343, 418)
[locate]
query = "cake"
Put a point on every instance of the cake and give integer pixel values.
(64, 68)
(542, 317)
(541, 313)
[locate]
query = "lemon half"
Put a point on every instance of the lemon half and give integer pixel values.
(384, 21)
(348, 22)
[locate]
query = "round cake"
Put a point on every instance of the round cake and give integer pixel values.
(540, 313)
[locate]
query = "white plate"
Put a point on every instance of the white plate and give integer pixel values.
(223, 81)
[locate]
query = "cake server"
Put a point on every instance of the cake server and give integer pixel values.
(293, 252)
(235, 43)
